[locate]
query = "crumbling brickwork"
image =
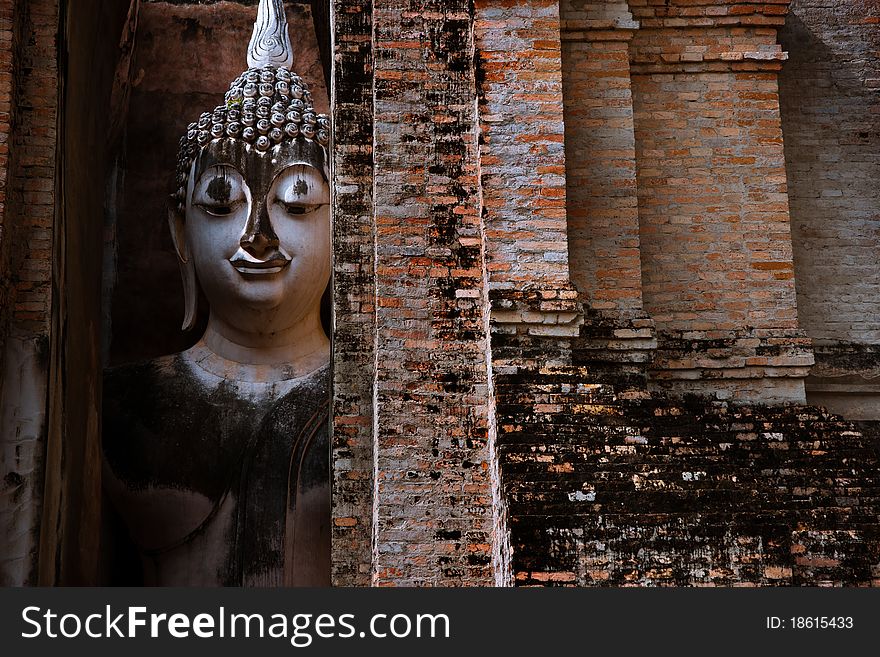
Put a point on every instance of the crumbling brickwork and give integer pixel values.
(715, 258)
(433, 505)
(602, 206)
(354, 298)
(608, 486)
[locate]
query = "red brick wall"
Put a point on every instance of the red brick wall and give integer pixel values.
(444, 75)
(830, 90)
(353, 296)
(712, 202)
(603, 220)
(829, 96)
(433, 506)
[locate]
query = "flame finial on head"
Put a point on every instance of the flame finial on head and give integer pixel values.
(266, 106)
(270, 43)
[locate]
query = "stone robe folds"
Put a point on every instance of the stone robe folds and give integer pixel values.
(220, 482)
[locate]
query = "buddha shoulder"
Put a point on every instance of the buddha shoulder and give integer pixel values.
(165, 426)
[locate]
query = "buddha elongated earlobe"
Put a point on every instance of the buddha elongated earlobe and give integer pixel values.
(176, 223)
(190, 294)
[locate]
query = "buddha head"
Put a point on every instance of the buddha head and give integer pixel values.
(250, 219)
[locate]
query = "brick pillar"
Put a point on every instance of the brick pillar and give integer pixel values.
(523, 158)
(353, 297)
(433, 511)
(603, 219)
(713, 210)
(523, 167)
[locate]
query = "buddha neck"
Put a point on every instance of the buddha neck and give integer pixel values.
(261, 358)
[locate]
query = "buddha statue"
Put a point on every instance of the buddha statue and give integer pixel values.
(216, 459)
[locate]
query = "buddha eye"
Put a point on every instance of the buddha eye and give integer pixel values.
(219, 192)
(217, 210)
(298, 208)
(301, 189)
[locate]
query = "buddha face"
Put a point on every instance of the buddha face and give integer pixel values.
(257, 228)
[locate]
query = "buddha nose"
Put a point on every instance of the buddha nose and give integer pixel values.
(259, 236)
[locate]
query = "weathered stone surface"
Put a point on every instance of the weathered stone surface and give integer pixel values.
(642, 191)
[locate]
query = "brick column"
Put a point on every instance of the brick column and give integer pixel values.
(603, 220)
(353, 296)
(713, 210)
(433, 511)
(522, 160)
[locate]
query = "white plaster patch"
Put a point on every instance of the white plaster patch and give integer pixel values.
(581, 496)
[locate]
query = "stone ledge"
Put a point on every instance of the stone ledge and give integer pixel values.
(616, 338)
(847, 359)
(540, 312)
(843, 386)
(754, 353)
(603, 29)
(710, 13)
(846, 379)
(707, 62)
(758, 365)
